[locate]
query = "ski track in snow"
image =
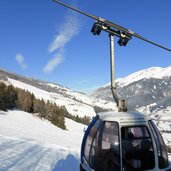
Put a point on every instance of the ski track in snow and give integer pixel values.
(18, 155)
(21, 155)
(28, 143)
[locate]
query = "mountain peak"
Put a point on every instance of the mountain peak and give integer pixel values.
(153, 72)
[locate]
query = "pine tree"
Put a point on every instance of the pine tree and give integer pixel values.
(11, 97)
(2, 96)
(39, 107)
(20, 99)
(58, 119)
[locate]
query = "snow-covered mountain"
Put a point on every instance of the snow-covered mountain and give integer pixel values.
(76, 103)
(149, 89)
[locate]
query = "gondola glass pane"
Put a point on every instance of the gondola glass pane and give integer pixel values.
(161, 148)
(105, 154)
(137, 148)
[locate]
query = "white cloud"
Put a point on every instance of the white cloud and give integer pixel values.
(53, 63)
(67, 31)
(20, 59)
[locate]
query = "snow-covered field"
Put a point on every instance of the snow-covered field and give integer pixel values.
(29, 144)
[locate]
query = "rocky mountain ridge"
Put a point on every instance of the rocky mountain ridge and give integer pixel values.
(149, 89)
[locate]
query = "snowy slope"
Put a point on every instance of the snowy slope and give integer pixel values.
(72, 106)
(76, 103)
(28, 143)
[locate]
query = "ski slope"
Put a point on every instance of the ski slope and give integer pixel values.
(28, 143)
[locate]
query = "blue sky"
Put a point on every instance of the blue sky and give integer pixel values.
(41, 39)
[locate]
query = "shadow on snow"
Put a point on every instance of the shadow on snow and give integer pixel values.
(71, 163)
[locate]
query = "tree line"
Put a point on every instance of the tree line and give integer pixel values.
(12, 97)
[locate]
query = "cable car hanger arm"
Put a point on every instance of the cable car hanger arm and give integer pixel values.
(119, 29)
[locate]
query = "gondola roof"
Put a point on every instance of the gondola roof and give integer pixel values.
(124, 117)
